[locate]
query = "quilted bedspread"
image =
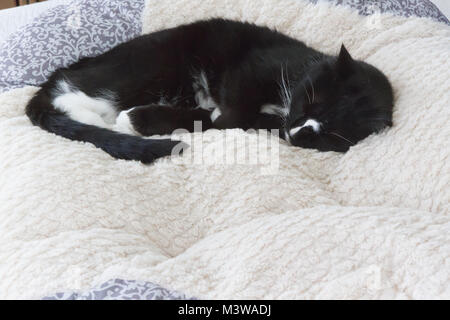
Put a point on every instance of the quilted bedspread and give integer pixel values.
(371, 223)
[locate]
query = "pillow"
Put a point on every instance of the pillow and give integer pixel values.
(117, 289)
(406, 8)
(65, 34)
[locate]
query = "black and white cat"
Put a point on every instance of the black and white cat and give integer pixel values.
(226, 74)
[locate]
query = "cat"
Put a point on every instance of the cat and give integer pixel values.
(224, 73)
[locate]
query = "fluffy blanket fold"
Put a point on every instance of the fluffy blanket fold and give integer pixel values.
(372, 223)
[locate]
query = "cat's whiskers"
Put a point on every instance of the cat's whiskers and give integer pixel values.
(343, 138)
(288, 81)
(285, 93)
(313, 91)
(307, 94)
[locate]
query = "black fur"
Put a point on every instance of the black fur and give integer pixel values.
(120, 146)
(246, 67)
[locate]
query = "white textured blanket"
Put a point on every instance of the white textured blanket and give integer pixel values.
(373, 223)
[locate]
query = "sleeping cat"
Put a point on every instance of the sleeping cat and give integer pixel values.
(224, 73)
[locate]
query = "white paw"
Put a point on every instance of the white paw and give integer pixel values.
(123, 123)
(215, 114)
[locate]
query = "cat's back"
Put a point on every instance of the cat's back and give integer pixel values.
(205, 38)
(244, 34)
(221, 40)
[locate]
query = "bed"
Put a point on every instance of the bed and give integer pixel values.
(371, 224)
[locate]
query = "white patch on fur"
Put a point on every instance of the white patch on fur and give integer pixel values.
(123, 123)
(314, 124)
(163, 101)
(270, 109)
(202, 93)
(287, 137)
(274, 109)
(99, 112)
(215, 114)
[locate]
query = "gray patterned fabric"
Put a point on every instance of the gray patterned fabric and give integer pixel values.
(65, 34)
(406, 8)
(117, 289)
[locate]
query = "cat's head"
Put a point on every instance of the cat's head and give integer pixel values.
(339, 103)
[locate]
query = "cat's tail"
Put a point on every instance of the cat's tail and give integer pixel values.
(120, 146)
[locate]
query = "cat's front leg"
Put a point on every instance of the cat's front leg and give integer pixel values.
(160, 119)
(233, 119)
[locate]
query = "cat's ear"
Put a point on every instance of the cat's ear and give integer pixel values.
(345, 62)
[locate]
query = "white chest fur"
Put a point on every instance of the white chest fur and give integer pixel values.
(97, 111)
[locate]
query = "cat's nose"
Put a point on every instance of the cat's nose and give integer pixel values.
(310, 125)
